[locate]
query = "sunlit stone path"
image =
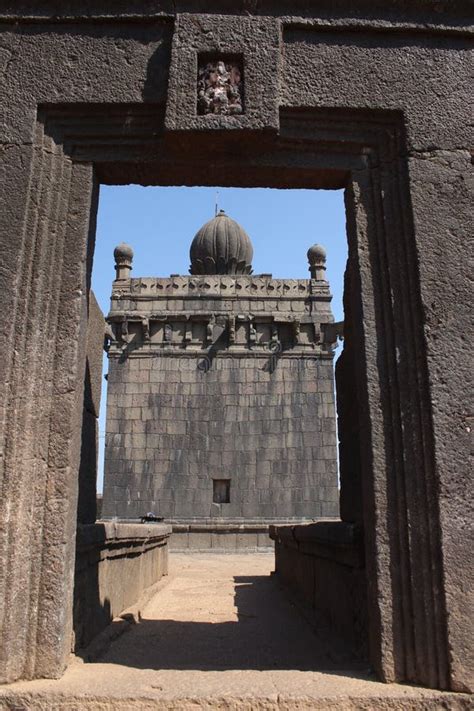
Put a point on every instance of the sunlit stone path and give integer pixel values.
(221, 612)
(221, 634)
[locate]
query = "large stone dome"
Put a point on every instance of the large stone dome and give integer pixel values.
(221, 246)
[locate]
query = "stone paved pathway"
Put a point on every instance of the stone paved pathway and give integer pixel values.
(221, 612)
(219, 635)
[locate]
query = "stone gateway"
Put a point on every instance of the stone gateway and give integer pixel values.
(371, 97)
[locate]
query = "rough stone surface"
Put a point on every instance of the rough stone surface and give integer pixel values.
(87, 498)
(115, 564)
(236, 35)
(217, 535)
(373, 97)
(348, 421)
(322, 564)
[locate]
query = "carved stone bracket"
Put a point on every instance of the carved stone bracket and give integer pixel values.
(331, 332)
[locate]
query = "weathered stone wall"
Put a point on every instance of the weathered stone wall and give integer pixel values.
(172, 428)
(221, 535)
(115, 565)
(87, 498)
(322, 564)
(220, 377)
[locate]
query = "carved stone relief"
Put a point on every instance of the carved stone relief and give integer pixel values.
(168, 333)
(220, 88)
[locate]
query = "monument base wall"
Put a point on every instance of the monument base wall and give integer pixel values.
(115, 565)
(226, 535)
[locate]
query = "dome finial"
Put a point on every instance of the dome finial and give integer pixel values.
(221, 246)
(123, 255)
(317, 262)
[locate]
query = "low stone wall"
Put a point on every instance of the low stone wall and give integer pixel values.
(115, 564)
(220, 537)
(322, 565)
(224, 534)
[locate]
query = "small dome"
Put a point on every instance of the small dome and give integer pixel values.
(316, 253)
(221, 246)
(123, 252)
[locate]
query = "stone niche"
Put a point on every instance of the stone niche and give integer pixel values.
(220, 85)
(374, 100)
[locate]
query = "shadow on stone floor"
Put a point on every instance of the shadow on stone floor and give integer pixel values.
(270, 633)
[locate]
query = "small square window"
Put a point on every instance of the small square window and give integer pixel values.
(221, 491)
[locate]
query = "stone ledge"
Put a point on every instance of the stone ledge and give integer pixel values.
(322, 566)
(220, 527)
(339, 541)
(113, 688)
(107, 532)
(232, 534)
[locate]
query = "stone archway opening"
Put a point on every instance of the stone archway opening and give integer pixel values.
(283, 224)
(330, 552)
(362, 152)
(301, 482)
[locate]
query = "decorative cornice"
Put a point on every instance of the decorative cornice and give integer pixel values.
(419, 16)
(264, 286)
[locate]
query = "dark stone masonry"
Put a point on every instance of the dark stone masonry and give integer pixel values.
(87, 503)
(220, 391)
(371, 97)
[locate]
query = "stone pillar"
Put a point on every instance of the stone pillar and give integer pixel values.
(49, 231)
(87, 503)
(350, 498)
(317, 262)
(123, 255)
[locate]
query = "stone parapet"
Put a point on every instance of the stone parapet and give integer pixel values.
(322, 565)
(220, 285)
(115, 564)
(226, 535)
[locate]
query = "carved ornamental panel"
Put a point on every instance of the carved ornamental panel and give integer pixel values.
(220, 87)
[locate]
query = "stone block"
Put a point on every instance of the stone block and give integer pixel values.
(200, 540)
(329, 508)
(246, 540)
(264, 540)
(224, 540)
(179, 540)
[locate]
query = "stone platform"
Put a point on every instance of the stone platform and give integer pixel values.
(225, 535)
(220, 635)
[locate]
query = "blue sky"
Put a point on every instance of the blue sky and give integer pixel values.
(160, 223)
